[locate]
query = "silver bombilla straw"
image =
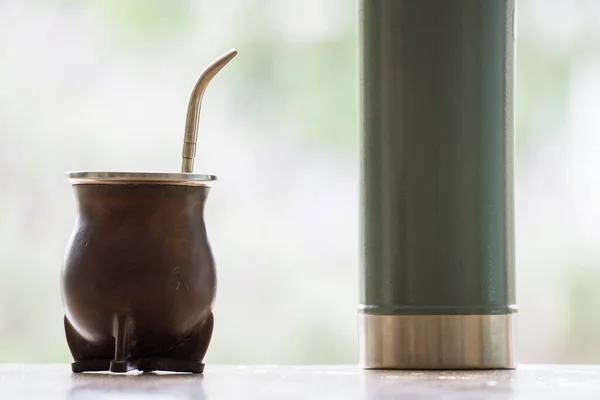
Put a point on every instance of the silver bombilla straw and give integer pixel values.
(193, 112)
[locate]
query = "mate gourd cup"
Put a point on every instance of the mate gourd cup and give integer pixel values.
(138, 281)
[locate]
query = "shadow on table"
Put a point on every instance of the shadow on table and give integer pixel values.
(146, 385)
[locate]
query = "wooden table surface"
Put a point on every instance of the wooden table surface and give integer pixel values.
(53, 381)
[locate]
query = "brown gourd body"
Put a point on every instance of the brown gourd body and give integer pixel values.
(139, 280)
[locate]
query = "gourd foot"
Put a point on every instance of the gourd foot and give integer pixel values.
(114, 355)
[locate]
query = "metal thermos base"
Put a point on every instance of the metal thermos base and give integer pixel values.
(438, 341)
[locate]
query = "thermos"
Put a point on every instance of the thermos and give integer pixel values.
(437, 248)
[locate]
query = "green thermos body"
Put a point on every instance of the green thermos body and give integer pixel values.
(437, 285)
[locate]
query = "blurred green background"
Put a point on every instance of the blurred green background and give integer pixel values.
(104, 85)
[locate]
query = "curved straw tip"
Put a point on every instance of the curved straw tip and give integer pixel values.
(230, 54)
(220, 62)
